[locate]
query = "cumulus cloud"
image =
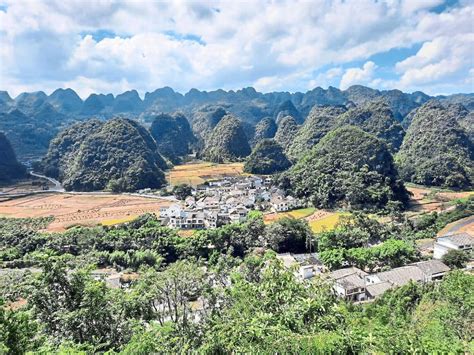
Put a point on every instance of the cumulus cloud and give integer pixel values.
(218, 44)
(444, 59)
(353, 76)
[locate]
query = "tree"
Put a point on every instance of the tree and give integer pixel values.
(289, 235)
(456, 258)
(74, 306)
(182, 191)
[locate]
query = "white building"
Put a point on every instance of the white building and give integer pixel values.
(460, 241)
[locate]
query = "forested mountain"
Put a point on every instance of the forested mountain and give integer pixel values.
(436, 150)
(173, 136)
(267, 157)
(287, 108)
(266, 128)
(227, 142)
(10, 168)
(375, 117)
(118, 154)
(286, 132)
(46, 115)
(29, 134)
(347, 168)
(320, 121)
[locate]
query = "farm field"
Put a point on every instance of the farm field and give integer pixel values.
(318, 220)
(327, 222)
(431, 199)
(198, 173)
(298, 214)
(81, 209)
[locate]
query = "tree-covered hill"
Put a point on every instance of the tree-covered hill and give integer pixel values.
(287, 108)
(267, 157)
(119, 155)
(347, 168)
(320, 121)
(10, 168)
(375, 117)
(227, 142)
(266, 128)
(436, 150)
(205, 119)
(286, 132)
(173, 136)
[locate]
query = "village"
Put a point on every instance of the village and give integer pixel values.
(224, 201)
(356, 285)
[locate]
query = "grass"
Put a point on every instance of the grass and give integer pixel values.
(198, 173)
(326, 223)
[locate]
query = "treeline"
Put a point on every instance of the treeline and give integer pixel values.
(257, 306)
(145, 242)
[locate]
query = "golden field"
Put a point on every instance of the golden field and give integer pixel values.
(198, 173)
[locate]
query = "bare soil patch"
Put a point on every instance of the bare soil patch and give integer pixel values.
(80, 209)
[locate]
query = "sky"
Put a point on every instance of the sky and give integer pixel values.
(114, 46)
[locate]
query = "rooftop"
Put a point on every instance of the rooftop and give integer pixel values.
(431, 267)
(458, 239)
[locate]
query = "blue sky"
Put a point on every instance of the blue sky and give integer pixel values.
(112, 46)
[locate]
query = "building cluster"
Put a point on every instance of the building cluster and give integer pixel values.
(226, 201)
(357, 285)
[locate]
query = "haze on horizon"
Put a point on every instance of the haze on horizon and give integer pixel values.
(112, 46)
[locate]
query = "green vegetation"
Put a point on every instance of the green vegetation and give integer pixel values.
(436, 150)
(347, 168)
(182, 191)
(286, 132)
(216, 291)
(264, 129)
(320, 121)
(456, 258)
(173, 136)
(119, 155)
(267, 158)
(376, 118)
(10, 169)
(227, 142)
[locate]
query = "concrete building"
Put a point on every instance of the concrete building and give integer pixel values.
(459, 241)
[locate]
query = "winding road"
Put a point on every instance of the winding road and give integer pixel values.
(57, 185)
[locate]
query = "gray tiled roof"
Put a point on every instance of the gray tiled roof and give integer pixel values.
(337, 274)
(402, 275)
(431, 267)
(376, 290)
(458, 239)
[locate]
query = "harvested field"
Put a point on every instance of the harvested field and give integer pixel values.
(432, 199)
(327, 221)
(298, 214)
(198, 173)
(81, 209)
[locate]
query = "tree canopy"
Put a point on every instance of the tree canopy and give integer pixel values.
(227, 141)
(267, 158)
(118, 154)
(347, 168)
(436, 150)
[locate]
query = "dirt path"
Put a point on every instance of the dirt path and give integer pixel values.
(463, 225)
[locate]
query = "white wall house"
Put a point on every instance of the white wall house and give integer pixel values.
(460, 241)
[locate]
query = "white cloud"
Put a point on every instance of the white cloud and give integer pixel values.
(442, 62)
(353, 76)
(272, 45)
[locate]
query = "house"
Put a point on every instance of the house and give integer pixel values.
(459, 241)
(349, 283)
(307, 264)
(423, 271)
